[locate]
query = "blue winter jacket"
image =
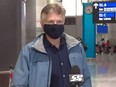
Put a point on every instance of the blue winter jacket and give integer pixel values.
(34, 66)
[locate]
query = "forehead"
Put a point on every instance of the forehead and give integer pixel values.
(54, 16)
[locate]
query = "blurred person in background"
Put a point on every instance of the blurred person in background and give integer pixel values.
(84, 45)
(108, 46)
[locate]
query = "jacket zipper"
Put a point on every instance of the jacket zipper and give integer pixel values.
(49, 68)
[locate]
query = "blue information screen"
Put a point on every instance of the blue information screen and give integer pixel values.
(104, 12)
(103, 29)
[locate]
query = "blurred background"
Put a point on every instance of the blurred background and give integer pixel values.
(20, 24)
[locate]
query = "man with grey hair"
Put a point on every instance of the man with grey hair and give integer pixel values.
(48, 59)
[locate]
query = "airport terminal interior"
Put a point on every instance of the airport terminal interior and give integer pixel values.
(94, 21)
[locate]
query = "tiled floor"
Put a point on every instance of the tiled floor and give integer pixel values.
(103, 70)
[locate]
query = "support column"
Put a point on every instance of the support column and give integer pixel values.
(89, 32)
(30, 20)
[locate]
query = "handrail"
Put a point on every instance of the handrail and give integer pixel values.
(4, 72)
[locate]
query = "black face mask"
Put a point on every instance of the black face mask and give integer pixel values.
(54, 30)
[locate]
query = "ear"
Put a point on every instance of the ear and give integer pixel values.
(42, 24)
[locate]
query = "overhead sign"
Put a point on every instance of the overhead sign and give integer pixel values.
(104, 12)
(103, 29)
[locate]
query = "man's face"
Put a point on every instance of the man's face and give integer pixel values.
(53, 18)
(53, 25)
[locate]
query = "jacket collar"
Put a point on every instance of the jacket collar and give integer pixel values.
(38, 45)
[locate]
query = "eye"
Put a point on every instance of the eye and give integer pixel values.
(59, 22)
(50, 22)
(54, 22)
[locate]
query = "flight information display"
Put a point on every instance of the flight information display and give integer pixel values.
(104, 12)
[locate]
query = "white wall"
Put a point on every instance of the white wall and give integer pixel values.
(112, 33)
(75, 30)
(73, 7)
(39, 5)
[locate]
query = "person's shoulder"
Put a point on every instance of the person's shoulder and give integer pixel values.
(70, 39)
(31, 43)
(82, 47)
